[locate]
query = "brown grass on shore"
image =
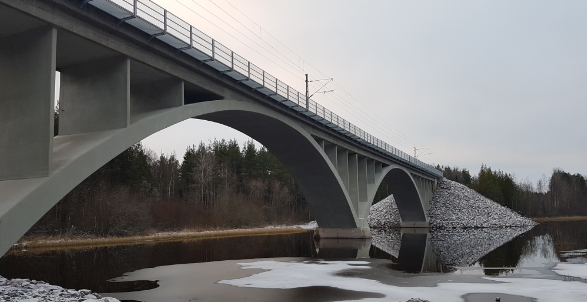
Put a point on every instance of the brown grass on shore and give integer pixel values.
(45, 244)
(563, 218)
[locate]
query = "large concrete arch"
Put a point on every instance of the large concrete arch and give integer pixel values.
(76, 156)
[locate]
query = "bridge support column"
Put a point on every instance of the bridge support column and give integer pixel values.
(95, 96)
(342, 163)
(27, 99)
(363, 175)
(353, 188)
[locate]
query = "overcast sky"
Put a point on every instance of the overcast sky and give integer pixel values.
(502, 83)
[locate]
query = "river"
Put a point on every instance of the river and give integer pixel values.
(545, 263)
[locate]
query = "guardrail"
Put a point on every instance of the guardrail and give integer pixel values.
(163, 25)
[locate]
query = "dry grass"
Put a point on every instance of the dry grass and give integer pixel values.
(45, 244)
(564, 218)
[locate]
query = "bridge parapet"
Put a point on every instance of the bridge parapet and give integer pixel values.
(170, 29)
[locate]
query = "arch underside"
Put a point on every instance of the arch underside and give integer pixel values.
(77, 156)
(406, 194)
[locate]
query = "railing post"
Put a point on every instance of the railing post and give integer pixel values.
(165, 21)
(134, 12)
(276, 86)
(213, 49)
(191, 36)
(288, 92)
(263, 78)
(249, 70)
(231, 60)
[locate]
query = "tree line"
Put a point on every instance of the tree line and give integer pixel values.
(561, 194)
(216, 185)
(224, 185)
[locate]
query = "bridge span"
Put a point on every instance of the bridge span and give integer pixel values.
(130, 68)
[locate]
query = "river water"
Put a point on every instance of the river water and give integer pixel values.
(546, 263)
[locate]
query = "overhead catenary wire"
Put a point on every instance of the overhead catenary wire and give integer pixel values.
(409, 145)
(290, 63)
(391, 133)
(399, 134)
(189, 8)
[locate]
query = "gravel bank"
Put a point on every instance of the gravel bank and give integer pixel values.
(453, 206)
(24, 290)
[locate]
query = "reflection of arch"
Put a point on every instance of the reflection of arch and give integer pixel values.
(76, 156)
(407, 194)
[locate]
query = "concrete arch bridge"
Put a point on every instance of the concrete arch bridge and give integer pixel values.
(129, 69)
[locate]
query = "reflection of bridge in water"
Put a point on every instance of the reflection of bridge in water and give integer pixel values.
(416, 250)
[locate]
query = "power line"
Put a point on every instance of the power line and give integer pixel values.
(189, 8)
(403, 139)
(401, 135)
(221, 19)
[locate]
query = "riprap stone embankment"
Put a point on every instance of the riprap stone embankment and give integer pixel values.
(453, 205)
(25, 290)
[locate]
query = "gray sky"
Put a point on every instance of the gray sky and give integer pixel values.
(497, 82)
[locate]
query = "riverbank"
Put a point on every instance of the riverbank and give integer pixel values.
(41, 244)
(560, 218)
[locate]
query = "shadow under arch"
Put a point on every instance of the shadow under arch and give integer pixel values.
(77, 156)
(405, 192)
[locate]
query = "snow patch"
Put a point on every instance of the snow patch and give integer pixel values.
(571, 269)
(287, 275)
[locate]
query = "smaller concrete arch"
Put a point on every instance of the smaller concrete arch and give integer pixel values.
(408, 195)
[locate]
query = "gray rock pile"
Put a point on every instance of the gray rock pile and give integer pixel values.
(24, 290)
(384, 214)
(453, 206)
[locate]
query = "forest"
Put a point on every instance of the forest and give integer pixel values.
(561, 194)
(215, 186)
(222, 185)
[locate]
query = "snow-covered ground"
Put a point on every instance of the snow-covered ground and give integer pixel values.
(308, 226)
(287, 275)
(453, 206)
(24, 290)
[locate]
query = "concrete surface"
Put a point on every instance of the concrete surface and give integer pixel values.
(27, 86)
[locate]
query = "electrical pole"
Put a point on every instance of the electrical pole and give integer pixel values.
(307, 94)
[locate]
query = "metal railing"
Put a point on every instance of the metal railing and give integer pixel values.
(159, 23)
